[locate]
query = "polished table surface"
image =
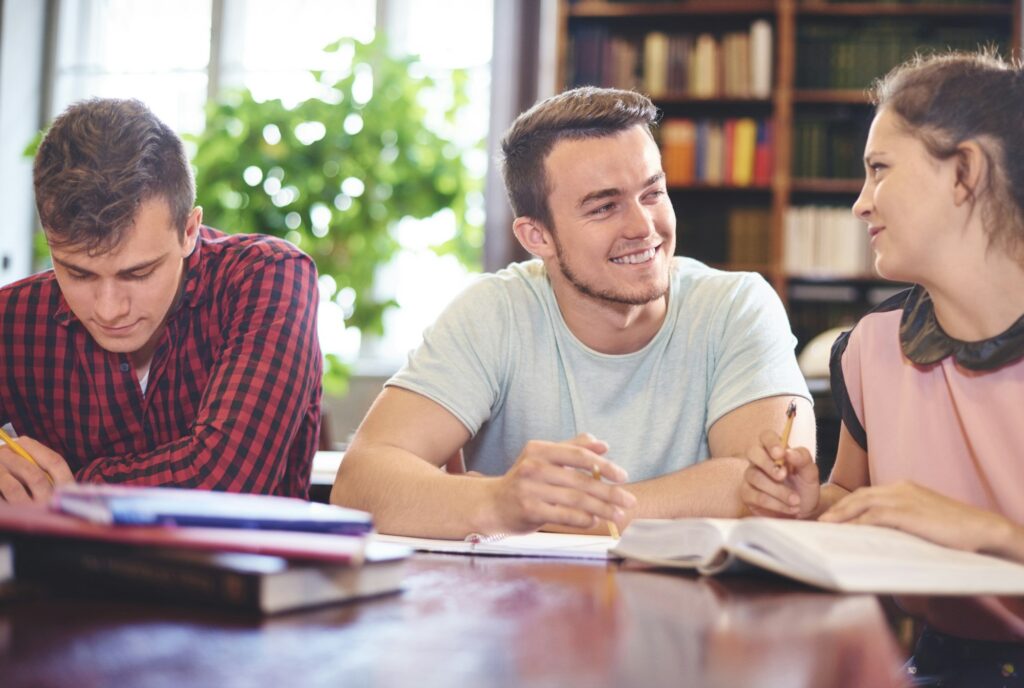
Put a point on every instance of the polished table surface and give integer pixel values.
(469, 621)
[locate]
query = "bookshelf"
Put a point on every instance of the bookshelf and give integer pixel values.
(823, 55)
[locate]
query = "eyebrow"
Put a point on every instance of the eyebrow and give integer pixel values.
(125, 271)
(613, 191)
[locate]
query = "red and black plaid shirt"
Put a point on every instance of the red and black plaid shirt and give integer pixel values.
(233, 398)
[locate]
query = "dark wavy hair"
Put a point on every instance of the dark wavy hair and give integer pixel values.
(582, 113)
(946, 99)
(98, 162)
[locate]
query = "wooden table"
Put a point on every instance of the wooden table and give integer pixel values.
(469, 621)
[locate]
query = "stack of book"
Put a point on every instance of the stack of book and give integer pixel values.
(257, 553)
(824, 241)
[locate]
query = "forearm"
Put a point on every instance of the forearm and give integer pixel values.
(409, 496)
(710, 488)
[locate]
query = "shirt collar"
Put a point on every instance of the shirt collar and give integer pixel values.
(193, 293)
(925, 342)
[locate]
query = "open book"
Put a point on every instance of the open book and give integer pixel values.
(546, 545)
(844, 557)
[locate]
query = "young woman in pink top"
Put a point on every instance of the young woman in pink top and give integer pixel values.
(930, 384)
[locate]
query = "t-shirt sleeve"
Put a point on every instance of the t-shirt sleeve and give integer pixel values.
(755, 352)
(464, 357)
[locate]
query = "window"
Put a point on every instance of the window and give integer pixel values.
(172, 54)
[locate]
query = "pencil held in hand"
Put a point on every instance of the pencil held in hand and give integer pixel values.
(790, 415)
(613, 529)
(20, 451)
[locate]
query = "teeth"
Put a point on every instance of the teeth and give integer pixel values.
(634, 258)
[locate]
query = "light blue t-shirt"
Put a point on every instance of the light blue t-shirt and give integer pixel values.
(503, 361)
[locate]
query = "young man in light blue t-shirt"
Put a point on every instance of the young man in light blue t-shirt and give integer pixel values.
(607, 353)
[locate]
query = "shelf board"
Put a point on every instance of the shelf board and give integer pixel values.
(597, 9)
(872, 9)
(705, 186)
(682, 99)
(844, 96)
(850, 186)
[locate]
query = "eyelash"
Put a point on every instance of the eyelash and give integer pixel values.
(130, 277)
(656, 194)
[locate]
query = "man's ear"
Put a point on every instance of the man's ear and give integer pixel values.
(972, 172)
(191, 234)
(533, 236)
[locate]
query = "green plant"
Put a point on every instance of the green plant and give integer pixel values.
(335, 173)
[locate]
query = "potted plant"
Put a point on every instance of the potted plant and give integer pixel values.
(335, 173)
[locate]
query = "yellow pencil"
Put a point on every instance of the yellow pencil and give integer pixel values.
(790, 415)
(20, 451)
(613, 529)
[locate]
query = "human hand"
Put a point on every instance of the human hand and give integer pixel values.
(914, 509)
(544, 487)
(22, 481)
(780, 482)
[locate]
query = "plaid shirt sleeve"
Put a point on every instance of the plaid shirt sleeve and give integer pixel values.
(260, 388)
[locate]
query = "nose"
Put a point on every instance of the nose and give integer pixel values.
(863, 206)
(640, 223)
(111, 302)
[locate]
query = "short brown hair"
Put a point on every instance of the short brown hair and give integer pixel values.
(582, 113)
(946, 99)
(98, 162)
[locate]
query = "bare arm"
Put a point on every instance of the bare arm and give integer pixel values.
(393, 469)
(712, 487)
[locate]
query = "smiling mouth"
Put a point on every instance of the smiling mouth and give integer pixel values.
(638, 257)
(874, 231)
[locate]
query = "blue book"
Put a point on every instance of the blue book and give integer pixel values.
(168, 506)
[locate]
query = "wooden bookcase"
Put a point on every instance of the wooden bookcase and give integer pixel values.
(806, 35)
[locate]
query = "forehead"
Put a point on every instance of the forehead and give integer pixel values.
(150, 235)
(618, 160)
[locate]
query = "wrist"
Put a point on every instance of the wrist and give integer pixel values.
(1001, 537)
(484, 517)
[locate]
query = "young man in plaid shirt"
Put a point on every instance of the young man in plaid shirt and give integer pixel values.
(157, 351)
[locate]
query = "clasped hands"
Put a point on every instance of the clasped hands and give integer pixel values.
(541, 489)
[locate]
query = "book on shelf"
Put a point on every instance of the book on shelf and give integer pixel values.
(541, 545)
(733, 64)
(835, 556)
(731, 152)
(822, 241)
(257, 583)
(127, 505)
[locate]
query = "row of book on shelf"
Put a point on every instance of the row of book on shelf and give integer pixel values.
(730, 152)
(826, 241)
(819, 241)
(852, 55)
(734, 64)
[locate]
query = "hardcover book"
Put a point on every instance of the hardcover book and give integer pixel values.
(251, 582)
(836, 556)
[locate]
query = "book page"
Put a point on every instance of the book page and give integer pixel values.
(679, 543)
(548, 545)
(861, 558)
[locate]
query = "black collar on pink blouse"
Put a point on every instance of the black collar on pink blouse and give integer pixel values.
(924, 342)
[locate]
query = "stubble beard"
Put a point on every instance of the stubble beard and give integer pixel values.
(606, 295)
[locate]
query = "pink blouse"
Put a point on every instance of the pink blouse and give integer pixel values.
(953, 429)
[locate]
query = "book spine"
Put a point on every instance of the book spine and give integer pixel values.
(124, 570)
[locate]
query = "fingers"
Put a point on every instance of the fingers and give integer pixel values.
(49, 460)
(574, 454)
(853, 507)
(761, 493)
(21, 481)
